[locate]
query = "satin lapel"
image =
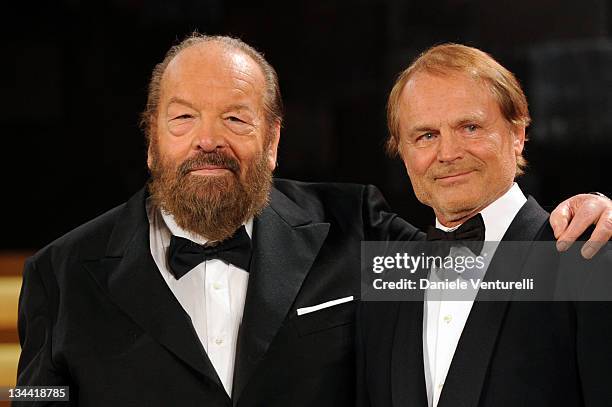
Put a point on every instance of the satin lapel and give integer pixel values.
(407, 371)
(286, 243)
(130, 276)
(468, 369)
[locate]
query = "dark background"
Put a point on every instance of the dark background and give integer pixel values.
(75, 75)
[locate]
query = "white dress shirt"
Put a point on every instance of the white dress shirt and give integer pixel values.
(443, 321)
(212, 293)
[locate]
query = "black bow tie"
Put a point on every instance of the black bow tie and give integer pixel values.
(471, 234)
(184, 255)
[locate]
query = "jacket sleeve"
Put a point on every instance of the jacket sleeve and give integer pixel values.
(594, 329)
(383, 225)
(35, 325)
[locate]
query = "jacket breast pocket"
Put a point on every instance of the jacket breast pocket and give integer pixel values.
(326, 318)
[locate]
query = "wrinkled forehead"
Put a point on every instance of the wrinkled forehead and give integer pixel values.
(212, 65)
(444, 83)
(439, 95)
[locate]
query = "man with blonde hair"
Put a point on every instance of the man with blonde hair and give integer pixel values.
(458, 120)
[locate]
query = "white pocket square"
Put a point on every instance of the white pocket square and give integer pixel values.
(307, 310)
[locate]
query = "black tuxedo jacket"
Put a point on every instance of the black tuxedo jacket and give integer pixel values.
(509, 353)
(96, 315)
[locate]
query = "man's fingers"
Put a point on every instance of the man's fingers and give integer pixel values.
(560, 217)
(599, 237)
(590, 248)
(587, 214)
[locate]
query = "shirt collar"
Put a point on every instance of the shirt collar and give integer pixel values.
(176, 230)
(499, 214)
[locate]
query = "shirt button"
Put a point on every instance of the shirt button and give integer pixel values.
(448, 318)
(219, 341)
(217, 286)
(440, 385)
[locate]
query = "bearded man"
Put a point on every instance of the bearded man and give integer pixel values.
(213, 286)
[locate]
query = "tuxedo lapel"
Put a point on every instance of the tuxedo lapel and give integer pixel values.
(130, 277)
(470, 363)
(286, 243)
(407, 369)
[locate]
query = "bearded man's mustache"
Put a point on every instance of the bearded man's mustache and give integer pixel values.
(203, 159)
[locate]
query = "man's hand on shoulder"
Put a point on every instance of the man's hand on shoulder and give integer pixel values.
(573, 217)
